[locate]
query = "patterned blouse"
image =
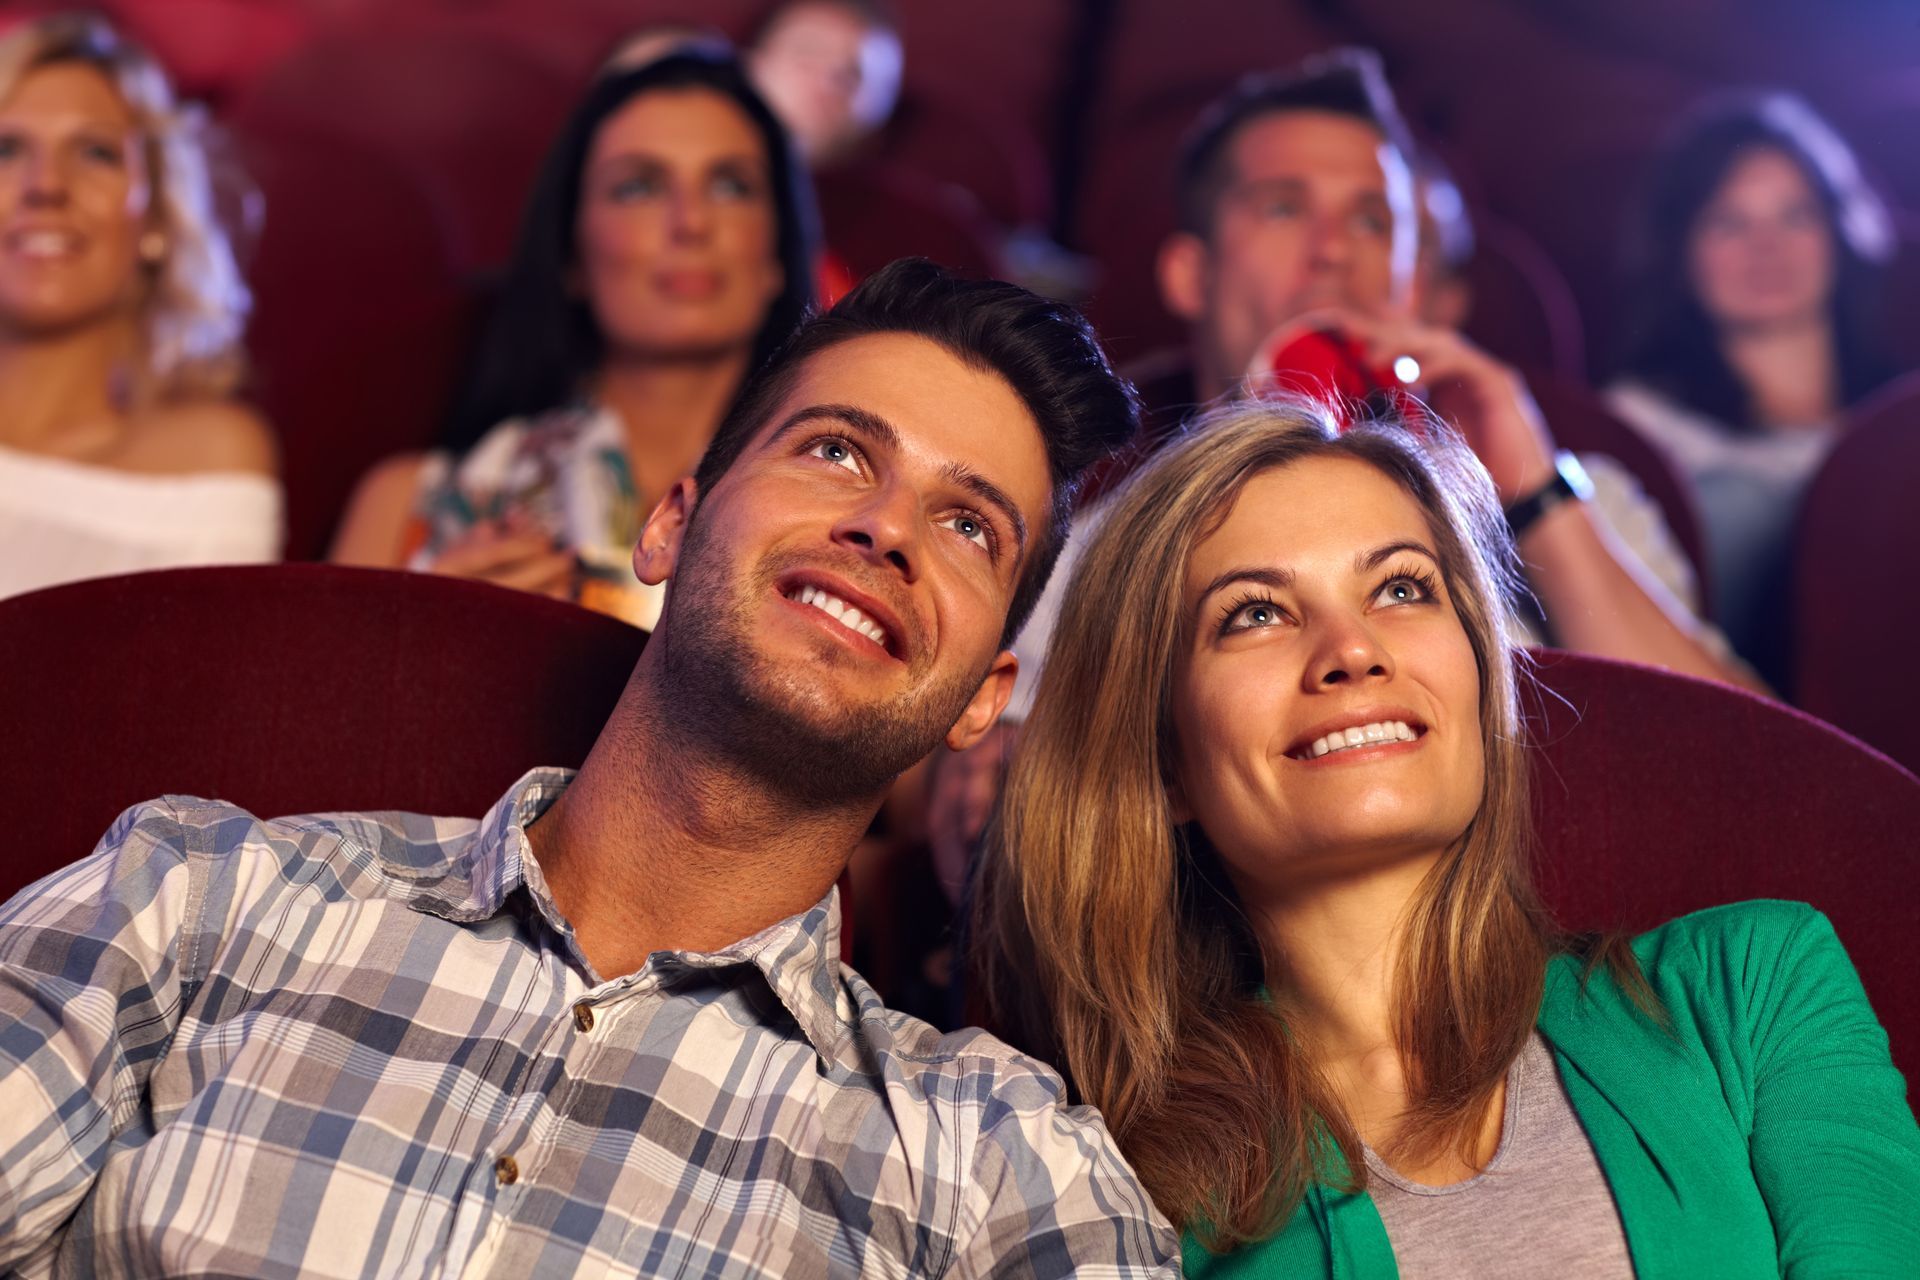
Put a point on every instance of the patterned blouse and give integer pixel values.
(567, 472)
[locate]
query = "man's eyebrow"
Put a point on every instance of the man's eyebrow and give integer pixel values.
(862, 422)
(1370, 560)
(1277, 579)
(994, 496)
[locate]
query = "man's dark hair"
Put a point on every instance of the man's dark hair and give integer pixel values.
(1045, 350)
(1345, 82)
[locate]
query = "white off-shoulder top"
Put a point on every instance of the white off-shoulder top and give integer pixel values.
(61, 521)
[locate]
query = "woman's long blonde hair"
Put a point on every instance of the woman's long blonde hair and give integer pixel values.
(194, 310)
(1107, 938)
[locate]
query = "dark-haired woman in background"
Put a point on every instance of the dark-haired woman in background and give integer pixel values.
(668, 248)
(1751, 332)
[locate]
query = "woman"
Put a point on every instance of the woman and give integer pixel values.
(667, 249)
(1750, 333)
(121, 310)
(1260, 888)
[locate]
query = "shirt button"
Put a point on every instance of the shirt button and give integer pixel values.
(506, 1171)
(583, 1016)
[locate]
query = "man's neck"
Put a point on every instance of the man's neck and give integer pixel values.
(1789, 370)
(663, 844)
(1210, 381)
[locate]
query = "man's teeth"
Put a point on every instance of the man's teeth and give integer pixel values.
(842, 612)
(1364, 735)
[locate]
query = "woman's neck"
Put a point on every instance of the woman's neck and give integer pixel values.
(670, 410)
(57, 394)
(1789, 370)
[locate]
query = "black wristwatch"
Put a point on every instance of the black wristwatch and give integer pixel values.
(1569, 481)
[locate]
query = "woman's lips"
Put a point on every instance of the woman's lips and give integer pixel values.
(688, 285)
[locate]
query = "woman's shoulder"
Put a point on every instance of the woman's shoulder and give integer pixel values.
(1733, 929)
(204, 435)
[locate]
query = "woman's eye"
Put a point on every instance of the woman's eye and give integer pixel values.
(639, 186)
(10, 146)
(732, 186)
(1249, 617)
(836, 451)
(1403, 591)
(972, 528)
(105, 153)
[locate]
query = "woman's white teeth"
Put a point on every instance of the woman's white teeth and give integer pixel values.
(842, 612)
(1364, 735)
(43, 244)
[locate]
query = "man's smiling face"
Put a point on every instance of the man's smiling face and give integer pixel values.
(840, 594)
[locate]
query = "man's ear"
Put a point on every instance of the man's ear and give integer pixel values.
(1181, 270)
(989, 700)
(658, 552)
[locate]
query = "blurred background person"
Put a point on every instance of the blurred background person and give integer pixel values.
(830, 69)
(121, 311)
(668, 248)
(1750, 331)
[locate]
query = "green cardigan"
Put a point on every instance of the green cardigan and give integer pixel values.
(1766, 1134)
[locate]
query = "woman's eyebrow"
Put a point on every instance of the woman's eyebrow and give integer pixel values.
(1370, 560)
(1277, 579)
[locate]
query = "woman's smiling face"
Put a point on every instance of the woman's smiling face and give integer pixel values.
(1326, 701)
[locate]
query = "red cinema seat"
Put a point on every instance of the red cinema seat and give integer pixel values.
(1523, 309)
(360, 323)
(874, 213)
(467, 112)
(1855, 623)
(286, 689)
(1658, 794)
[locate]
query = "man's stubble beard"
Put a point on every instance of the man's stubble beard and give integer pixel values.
(770, 721)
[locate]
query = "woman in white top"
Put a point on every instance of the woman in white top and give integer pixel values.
(667, 249)
(121, 310)
(1749, 334)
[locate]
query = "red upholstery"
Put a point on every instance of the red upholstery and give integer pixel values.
(1856, 621)
(875, 213)
(286, 689)
(985, 152)
(1582, 422)
(1658, 795)
(467, 111)
(360, 324)
(1523, 309)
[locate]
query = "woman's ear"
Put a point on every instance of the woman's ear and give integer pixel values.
(1177, 802)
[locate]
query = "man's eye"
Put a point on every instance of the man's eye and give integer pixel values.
(837, 451)
(972, 528)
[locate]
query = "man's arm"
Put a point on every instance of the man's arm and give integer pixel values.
(91, 990)
(1051, 1195)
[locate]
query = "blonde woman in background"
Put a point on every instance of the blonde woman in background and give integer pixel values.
(121, 312)
(1260, 888)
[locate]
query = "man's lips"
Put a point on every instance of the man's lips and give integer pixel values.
(851, 611)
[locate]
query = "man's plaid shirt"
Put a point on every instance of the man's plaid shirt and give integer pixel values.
(367, 1045)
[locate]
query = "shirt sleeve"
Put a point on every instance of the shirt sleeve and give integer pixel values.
(1835, 1149)
(1051, 1196)
(91, 990)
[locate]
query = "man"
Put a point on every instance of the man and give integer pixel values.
(604, 1029)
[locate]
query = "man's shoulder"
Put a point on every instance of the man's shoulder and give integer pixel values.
(970, 1064)
(338, 854)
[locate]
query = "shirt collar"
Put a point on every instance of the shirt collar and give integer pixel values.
(798, 957)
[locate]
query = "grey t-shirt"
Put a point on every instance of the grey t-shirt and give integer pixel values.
(1541, 1207)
